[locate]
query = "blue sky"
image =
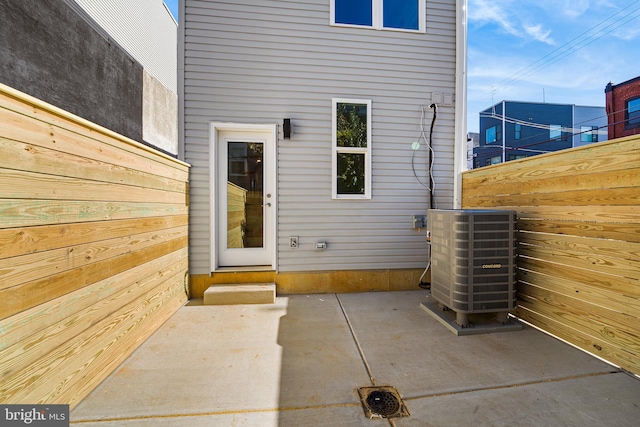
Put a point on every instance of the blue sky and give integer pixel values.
(173, 7)
(558, 51)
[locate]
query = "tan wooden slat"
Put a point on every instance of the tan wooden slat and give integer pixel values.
(596, 279)
(598, 296)
(29, 185)
(27, 240)
(580, 320)
(108, 360)
(606, 156)
(28, 322)
(28, 350)
(56, 371)
(36, 110)
(605, 247)
(598, 230)
(580, 339)
(603, 264)
(615, 196)
(575, 182)
(14, 300)
(27, 268)
(625, 324)
(25, 213)
(22, 156)
(606, 214)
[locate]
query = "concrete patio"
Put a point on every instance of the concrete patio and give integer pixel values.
(300, 361)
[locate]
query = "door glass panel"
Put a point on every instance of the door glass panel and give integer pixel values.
(245, 179)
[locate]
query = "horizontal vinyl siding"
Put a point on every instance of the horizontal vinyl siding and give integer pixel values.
(259, 62)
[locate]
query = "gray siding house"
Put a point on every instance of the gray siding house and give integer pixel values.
(307, 125)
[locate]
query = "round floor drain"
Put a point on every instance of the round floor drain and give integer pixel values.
(383, 403)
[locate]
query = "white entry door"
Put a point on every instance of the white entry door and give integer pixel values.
(245, 195)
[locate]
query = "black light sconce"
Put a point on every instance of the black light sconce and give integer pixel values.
(286, 128)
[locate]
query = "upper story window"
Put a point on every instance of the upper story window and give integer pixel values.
(633, 113)
(493, 134)
(402, 15)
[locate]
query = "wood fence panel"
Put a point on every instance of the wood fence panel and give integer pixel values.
(578, 242)
(93, 249)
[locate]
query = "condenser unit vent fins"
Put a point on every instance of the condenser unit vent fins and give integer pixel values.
(473, 254)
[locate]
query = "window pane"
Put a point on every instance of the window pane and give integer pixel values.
(633, 112)
(555, 131)
(350, 177)
(351, 125)
(356, 12)
(490, 135)
(245, 215)
(401, 14)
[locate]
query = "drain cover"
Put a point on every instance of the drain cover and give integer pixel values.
(382, 402)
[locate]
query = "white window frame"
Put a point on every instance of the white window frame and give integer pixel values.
(355, 150)
(378, 21)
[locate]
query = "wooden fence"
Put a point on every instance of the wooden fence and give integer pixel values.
(93, 249)
(579, 242)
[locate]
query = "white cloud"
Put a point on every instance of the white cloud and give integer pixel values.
(539, 34)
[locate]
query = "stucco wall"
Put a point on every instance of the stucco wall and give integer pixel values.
(51, 53)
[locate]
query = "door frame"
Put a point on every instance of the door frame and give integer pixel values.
(270, 174)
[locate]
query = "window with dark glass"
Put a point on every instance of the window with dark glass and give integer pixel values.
(352, 148)
(633, 112)
(380, 14)
(493, 134)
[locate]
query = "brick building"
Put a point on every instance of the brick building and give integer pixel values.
(623, 108)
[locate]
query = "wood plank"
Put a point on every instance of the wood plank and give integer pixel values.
(598, 296)
(31, 294)
(106, 362)
(26, 323)
(28, 350)
(619, 154)
(38, 111)
(615, 197)
(30, 185)
(27, 240)
(25, 213)
(595, 230)
(605, 246)
(595, 279)
(608, 179)
(575, 306)
(605, 214)
(580, 320)
(62, 368)
(28, 157)
(26, 268)
(580, 339)
(590, 262)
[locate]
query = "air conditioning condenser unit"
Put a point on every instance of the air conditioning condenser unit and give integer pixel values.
(473, 261)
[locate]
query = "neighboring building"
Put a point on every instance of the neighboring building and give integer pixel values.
(299, 118)
(512, 130)
(473, 141)
(81, 56)
(623, 108)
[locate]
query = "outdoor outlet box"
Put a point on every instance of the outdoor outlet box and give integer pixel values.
(419, 221)
(320, 246)
(293, 242)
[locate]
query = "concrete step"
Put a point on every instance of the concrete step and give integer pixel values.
(249, 293)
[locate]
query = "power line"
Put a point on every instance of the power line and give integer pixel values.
(559, 53)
